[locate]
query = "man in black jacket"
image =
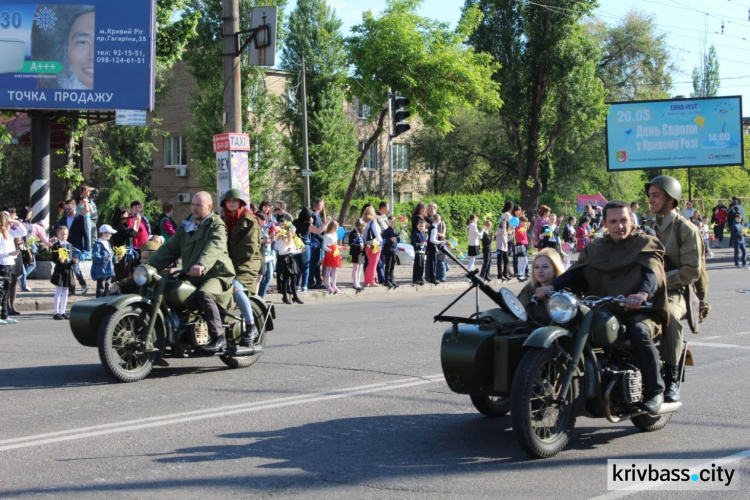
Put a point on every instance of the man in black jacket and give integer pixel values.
(78, 236)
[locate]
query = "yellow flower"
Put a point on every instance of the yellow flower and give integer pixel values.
(298, 242)
(63, 254)
(119, 252)
(336, 252)
(376, 248)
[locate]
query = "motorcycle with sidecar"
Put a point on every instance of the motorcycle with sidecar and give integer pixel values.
(133, 331)
(547, 375)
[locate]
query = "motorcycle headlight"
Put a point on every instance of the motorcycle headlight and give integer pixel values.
(562, 307)
(141, 275)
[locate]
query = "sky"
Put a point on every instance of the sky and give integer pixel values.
(691, 27)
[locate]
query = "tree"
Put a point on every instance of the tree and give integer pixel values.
(706, 81)
(425, 61)
(635, 62)
(314, 33)
(548, 80)
(203, 55)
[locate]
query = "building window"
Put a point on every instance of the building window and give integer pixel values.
(363, 111)
(401, 157)
(371, 160)
(175, 151)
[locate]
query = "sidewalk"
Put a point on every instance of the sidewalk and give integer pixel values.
(40, 299)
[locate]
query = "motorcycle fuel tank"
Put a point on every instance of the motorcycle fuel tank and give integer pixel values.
(179, 295)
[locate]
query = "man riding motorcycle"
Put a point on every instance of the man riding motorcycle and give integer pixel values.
(626, 261)
(202, 246)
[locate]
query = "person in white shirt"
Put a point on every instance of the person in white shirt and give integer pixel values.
(9, 231)
(474, 235)
(634, 212)
(687, 212)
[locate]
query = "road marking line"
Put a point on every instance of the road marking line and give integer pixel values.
(640, 487)
(743, 333)
(177, 418)
(725, 346)
(712, 337)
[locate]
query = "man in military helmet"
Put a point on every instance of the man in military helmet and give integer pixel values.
(682, 262)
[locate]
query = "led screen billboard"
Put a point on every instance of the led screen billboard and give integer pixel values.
(97, 55)
(676, 133)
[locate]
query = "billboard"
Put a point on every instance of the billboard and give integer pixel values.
(97, 55)
(676, 133)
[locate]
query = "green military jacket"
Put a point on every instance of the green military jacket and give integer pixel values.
(244, 250)
(683, 248)
(206, 246)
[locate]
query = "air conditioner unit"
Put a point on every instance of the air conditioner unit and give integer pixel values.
(184, 197)
(180, 171)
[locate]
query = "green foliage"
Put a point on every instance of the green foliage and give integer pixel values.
(14, 174)
(203, 55)
(548, 80)
(635, 62)
(706, 81)
(314, 33)
(425, 61)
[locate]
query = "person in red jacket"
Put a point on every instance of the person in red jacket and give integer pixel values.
(719, 219)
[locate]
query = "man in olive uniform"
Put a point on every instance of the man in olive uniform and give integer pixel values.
(202, 246)
(626, 262)
(682, 261)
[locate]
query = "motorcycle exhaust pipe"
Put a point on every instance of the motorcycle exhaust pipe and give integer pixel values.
(244, 351)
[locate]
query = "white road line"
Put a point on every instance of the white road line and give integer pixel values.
(712, 337)
(743, 333)
(177, 418)
(725, 346)
(638, 488)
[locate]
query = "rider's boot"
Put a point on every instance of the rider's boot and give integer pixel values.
(251, 333)
(672, 382)
(216, 345)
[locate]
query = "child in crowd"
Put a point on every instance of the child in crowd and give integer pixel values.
(522, 246)
(502, 237)
(390, 248)
(419, 242)
(102, 265)
(62, 275)
(568, 240)
(286, 265)
(474, 236)
(357, 253)
(332, 257)
(582, 233)
(737, 232)
(705, 231)
(486, 250)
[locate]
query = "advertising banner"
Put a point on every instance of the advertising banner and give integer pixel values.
(676, 133)
(97, 55)
(232, 167)
(595, 200)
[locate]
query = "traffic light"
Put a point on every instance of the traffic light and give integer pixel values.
(400, 115)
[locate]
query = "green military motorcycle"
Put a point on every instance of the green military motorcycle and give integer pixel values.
(134, 331)
(547, 375)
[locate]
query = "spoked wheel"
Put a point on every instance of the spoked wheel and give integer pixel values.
(541, 421)
(123, 346)
(491, 406)
(260, 341)
(650, 423)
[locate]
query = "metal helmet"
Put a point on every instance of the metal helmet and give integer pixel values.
(233, 194)
(669, 184)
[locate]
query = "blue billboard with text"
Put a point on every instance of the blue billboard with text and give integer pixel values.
(97, 55)
(676, 133)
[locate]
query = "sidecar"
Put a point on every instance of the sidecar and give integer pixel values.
(87, 316)
(480, 354)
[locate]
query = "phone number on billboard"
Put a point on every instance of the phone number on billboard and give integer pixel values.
(121, 60)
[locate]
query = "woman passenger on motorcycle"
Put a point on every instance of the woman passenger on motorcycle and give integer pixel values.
(244, 242)
(546, 266)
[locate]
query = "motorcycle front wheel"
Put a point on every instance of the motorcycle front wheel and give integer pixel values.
(541, 422)
(260, 341)
(491, 406)
(122, 344)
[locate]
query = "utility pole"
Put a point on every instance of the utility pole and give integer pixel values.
(390, 151)
(232, 76)
(305, 160)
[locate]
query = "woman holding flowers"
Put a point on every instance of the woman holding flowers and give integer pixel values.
(372, 245)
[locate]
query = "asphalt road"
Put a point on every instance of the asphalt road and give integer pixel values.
(348, 401)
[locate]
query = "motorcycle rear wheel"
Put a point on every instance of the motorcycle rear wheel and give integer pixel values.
(491, 406)
(541, 425)
(649, 423)
(121, 344)
(260, 341)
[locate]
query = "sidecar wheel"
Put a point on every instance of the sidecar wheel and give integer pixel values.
(121, 345)
(491, 406)
(649, 423)
(260, 341)
(542, 425)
